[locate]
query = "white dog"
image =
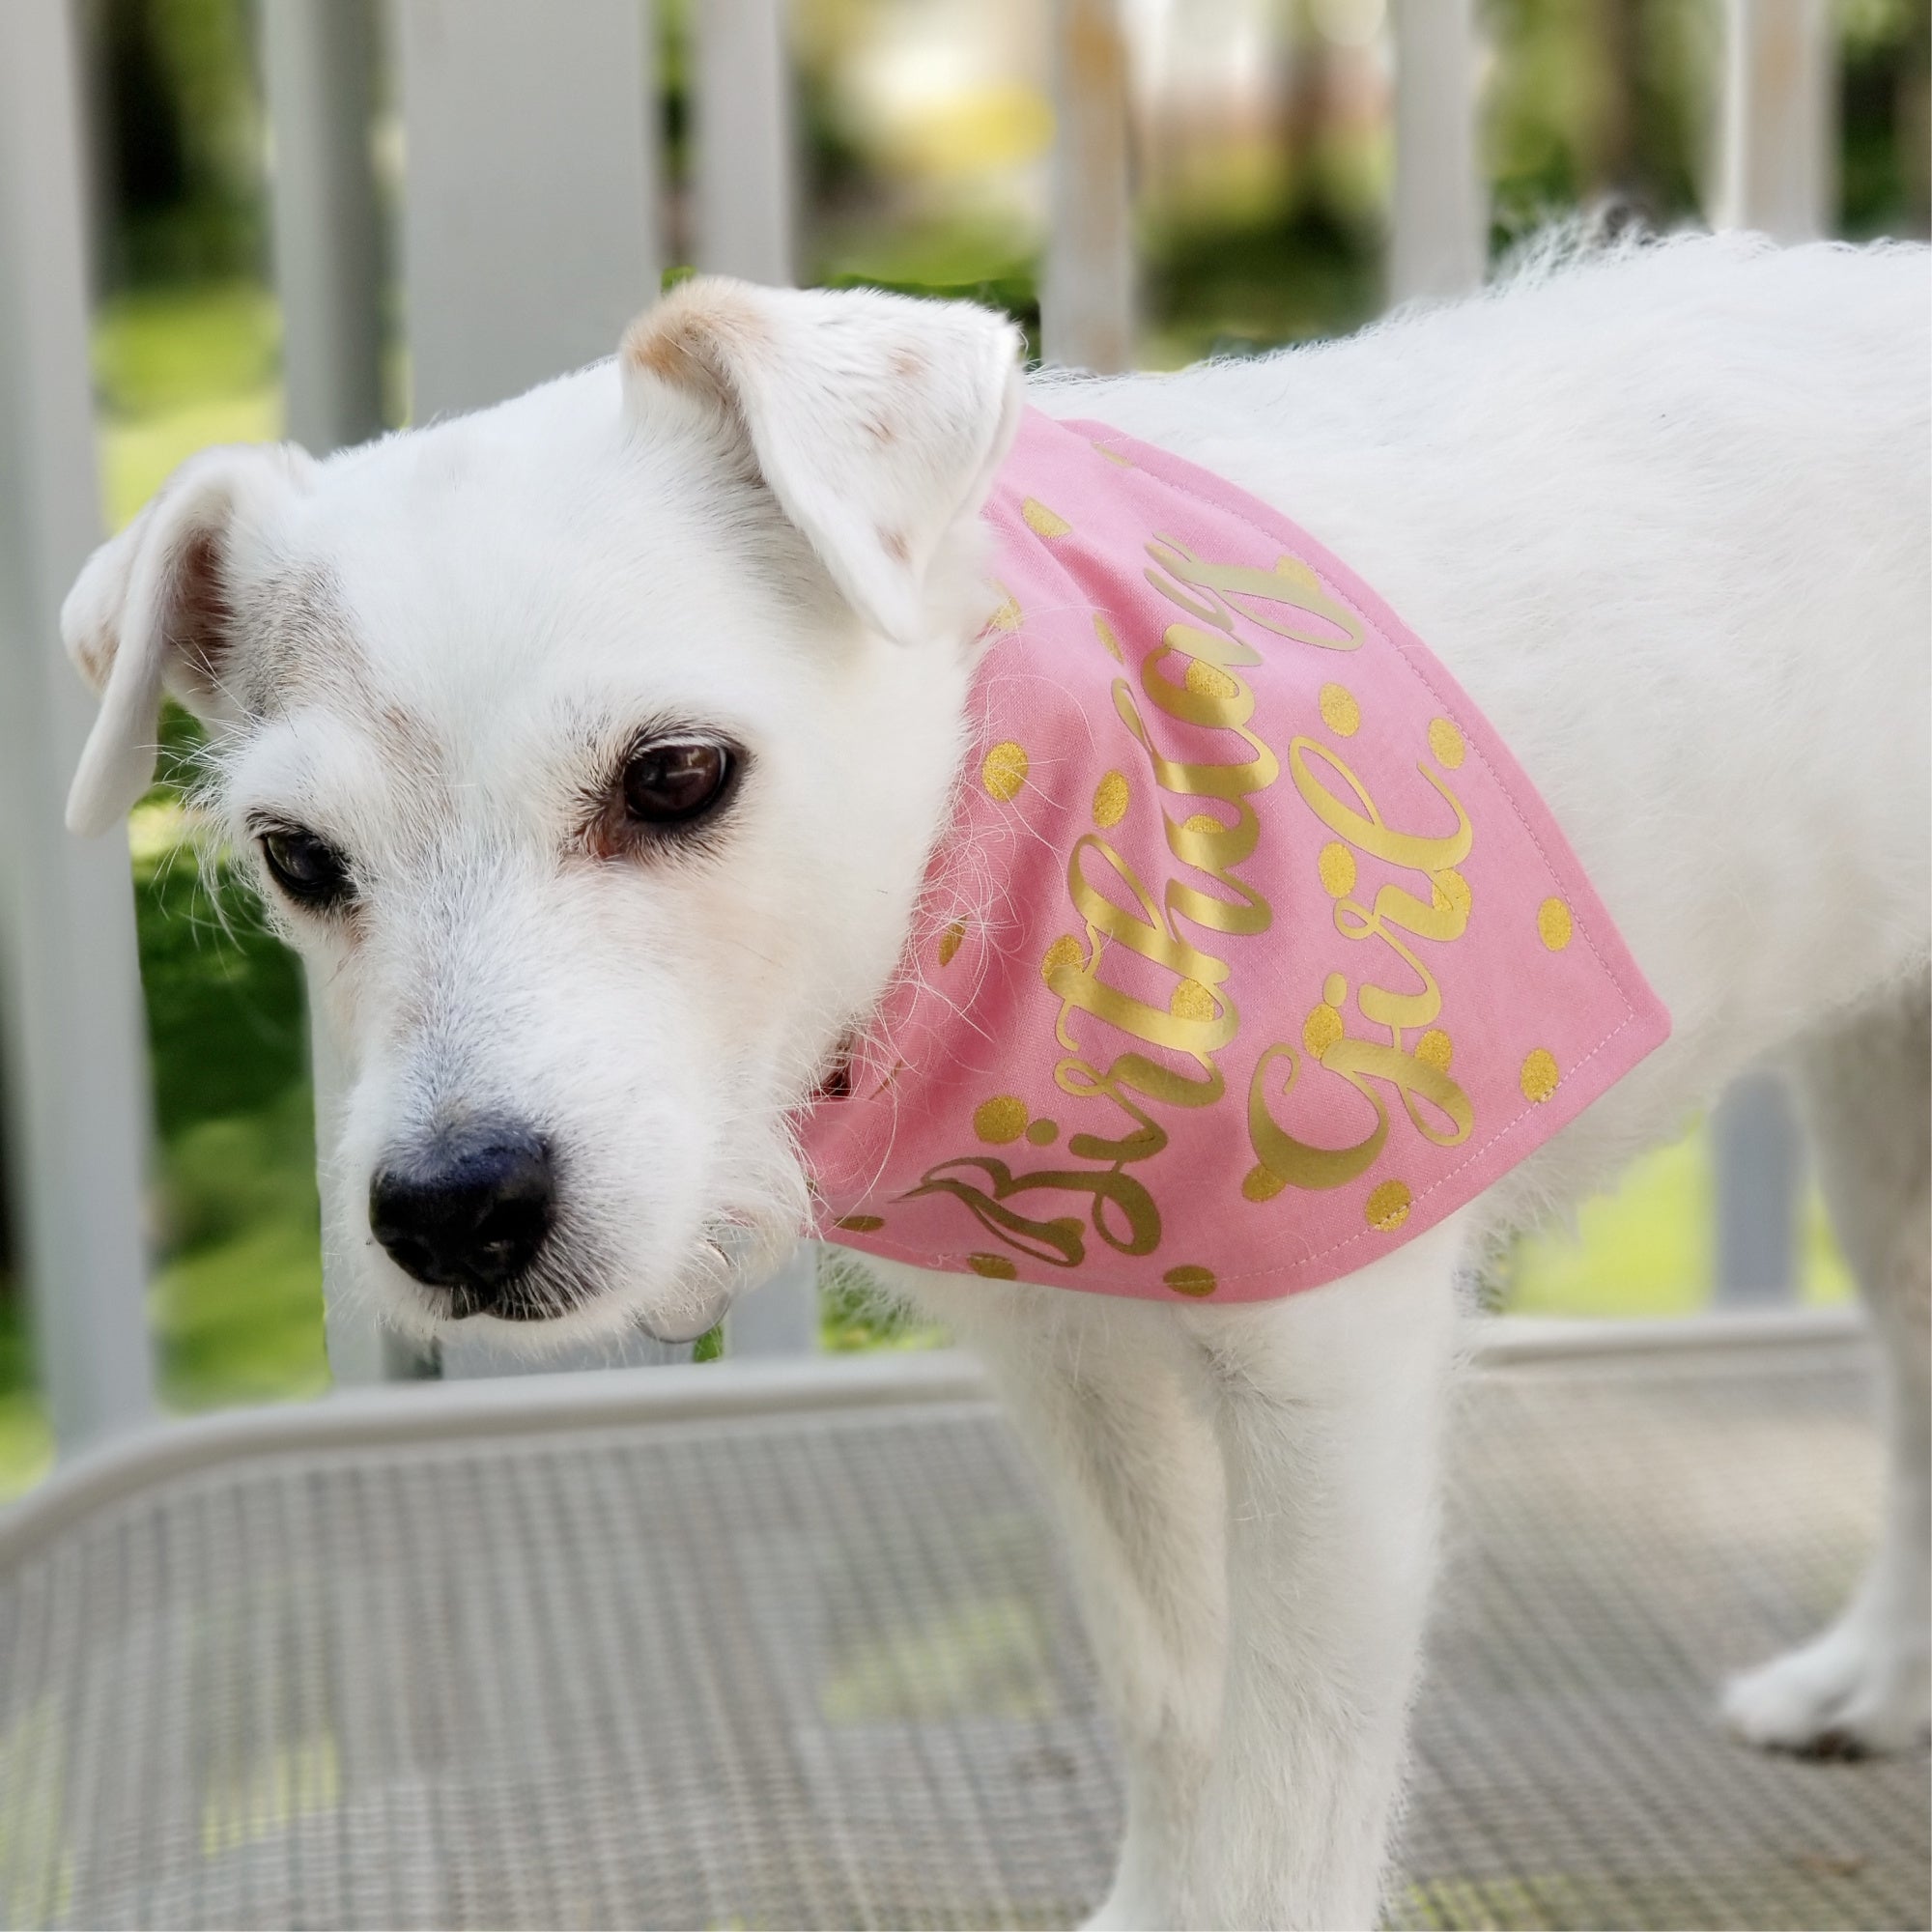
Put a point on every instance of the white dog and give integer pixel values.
(593, 748)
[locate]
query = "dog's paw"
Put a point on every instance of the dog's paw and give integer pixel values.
(1853, 1691)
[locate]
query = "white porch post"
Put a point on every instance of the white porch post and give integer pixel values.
(745, 168)
(1439, 242)
(1757, 1156)
(530, 240)
(75, 1042)
(1087, 284)
(319, 61)
(780, 1317)
(1777, 171)
(746, 175)
(529, 221)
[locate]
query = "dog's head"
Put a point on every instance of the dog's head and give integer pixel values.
(590, 750)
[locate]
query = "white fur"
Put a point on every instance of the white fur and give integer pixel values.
(1660, 511)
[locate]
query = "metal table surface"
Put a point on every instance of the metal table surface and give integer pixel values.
(794, 1647)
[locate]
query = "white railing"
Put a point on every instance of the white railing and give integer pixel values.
(75, 1054)
(528, 238)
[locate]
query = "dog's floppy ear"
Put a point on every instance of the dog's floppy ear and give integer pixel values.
(877, 421)
(151, 610)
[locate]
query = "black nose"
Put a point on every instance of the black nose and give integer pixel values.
(467, 1211)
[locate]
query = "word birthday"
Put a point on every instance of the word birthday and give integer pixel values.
(1139, 1057)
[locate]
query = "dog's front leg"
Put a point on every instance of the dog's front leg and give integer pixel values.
(1111, 1399)
(1330, 1412)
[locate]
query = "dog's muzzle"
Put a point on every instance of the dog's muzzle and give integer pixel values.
(468, 1212)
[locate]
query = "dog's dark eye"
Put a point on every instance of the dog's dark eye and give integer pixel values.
(664, 785)
(308, 868)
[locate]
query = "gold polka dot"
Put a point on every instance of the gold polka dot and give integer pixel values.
(1337, 866)
(1190, 1000)
(1104, 631)
(1539, 1075)
(1007, 616)
(1338, 710)
(1446, 742)
(1436, 1049)
(1065, 951)
(995, 1267)
(950, 941)
(1334, 989)
(1000, 1119)
(1321, 1029)
(1449, 892)
(1005, 771)
(1110, 800)
(1190, 1280)
(1042, 521)
(1206, 681)
(1114, 456)
(1387, 1205)
(861, 1224)
(1260, 1184)
(1042, 1133)
(1554, 924)
(1203, 821)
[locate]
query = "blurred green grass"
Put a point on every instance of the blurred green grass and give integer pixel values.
(236, 1301)
(1646, 1249)
(175, 370)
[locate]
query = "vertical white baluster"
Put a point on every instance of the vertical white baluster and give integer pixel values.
(744, 161)
(1086, 291)
(318, 57)
(745, 166)
(530, 214)
(76, 1043)
(318, 60)
(530, 240)
(360, 1348)
(780, 1317)
(1758, 1171)
(1439, 229)
(1777, 171)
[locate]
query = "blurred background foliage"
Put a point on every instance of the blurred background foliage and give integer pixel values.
(1264, 158)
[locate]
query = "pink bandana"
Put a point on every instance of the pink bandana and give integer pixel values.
(1250, 952)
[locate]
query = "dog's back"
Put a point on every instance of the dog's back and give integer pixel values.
(1662, 511)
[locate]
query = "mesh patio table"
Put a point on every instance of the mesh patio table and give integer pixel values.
(792, 1645)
